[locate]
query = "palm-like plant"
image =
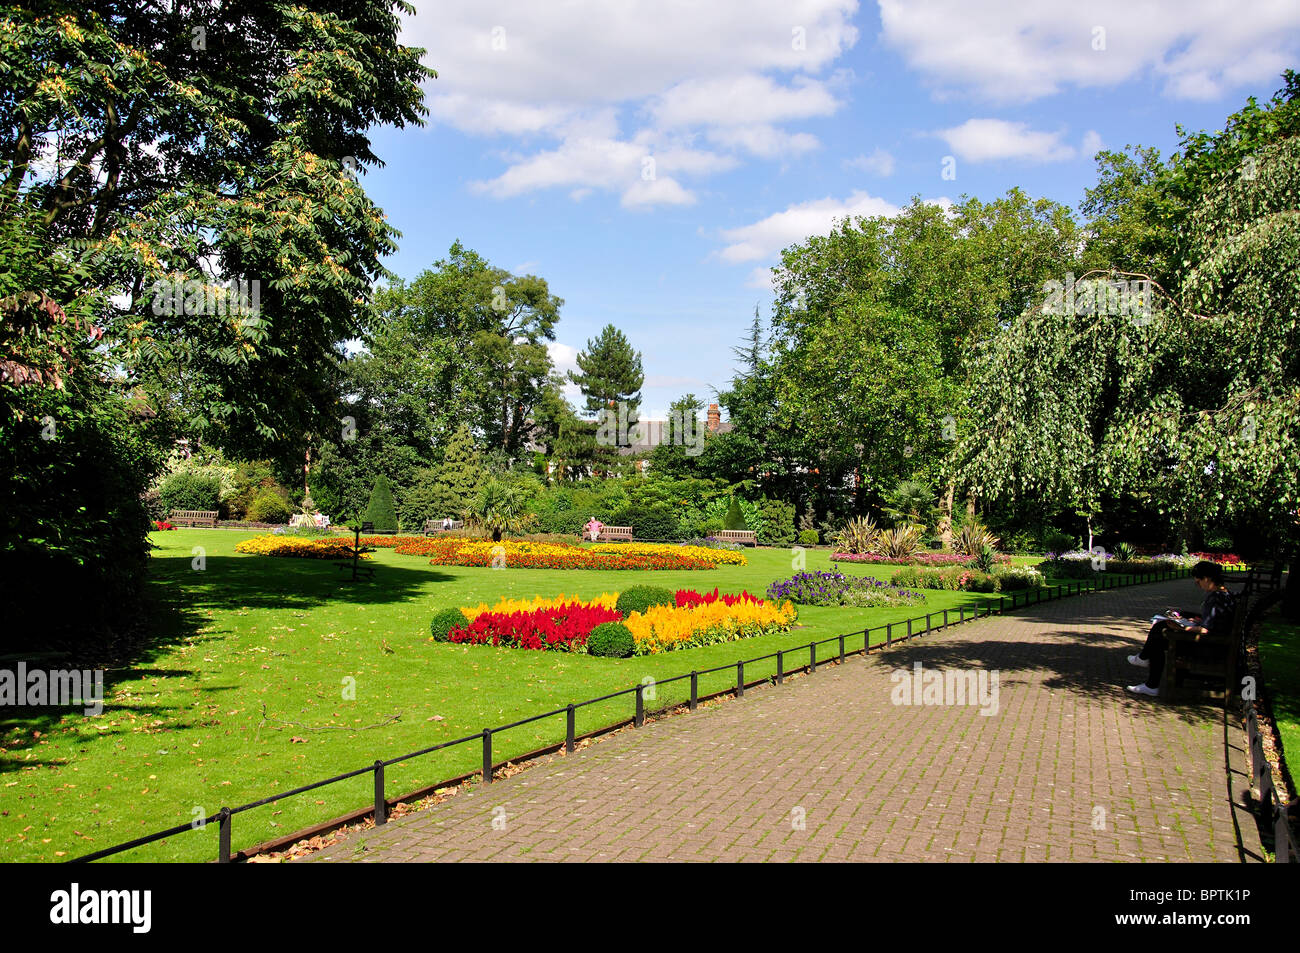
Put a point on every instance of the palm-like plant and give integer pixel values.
(898, 543)
(974, 539)
(911, 501)
(500, 507)
(857, 536)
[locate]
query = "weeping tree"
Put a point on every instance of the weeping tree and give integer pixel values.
(1188, 401)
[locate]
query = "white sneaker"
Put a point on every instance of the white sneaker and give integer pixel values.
(1143, 690)
(1139, 662)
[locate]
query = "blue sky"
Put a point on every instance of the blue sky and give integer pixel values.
(766, 120)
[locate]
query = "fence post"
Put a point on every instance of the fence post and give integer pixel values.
(695, 690)
(812, 657)
(1002, 604)
(568, 729)
(928, 627)
(223, 836)
(889, 634)
(638, 719)
(909, 628)
(487, 755)
(841, 650)
(780, 667)
(381, 807)
(740, 679)
(945, 618)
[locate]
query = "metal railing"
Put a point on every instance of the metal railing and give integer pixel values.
(225, 815)
(1273, 811)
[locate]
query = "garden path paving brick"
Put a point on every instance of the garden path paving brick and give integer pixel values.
(1068, 751)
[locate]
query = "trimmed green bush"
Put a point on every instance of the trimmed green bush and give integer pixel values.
(444, 620)
(776, 523)
(734, 519)
(610, 640)
(808, 537)
(952, 578)
(270, 507)
(381, 510)
(189, 491)
(640, 598)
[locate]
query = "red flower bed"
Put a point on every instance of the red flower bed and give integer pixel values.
(689, 597)
(162, 524)
(1223, 559)
(562, 628)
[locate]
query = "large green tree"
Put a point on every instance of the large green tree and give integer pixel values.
(169, 149)
(1193, 407)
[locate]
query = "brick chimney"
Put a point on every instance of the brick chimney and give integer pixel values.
(715, 418)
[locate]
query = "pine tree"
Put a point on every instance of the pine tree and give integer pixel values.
(381, 511)
(611, 374)
(751, 352)
(462, 469)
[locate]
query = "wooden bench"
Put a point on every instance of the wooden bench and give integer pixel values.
(194, 518)
(745, 536)
(1259, 579)
(435, 526)
(610, 534)
(1205, 655)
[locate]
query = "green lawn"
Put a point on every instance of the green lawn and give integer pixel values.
(242, 693)
(1279, 651)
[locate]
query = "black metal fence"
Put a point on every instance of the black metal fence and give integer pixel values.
(906, 629)
(1273, 811)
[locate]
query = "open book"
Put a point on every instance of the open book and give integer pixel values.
(1176, 617)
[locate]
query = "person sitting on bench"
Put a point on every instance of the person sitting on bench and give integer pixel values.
(1215, 616)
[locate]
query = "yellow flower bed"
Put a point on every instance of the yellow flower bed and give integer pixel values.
(606, 599)
(719, 557)
(665, 628)
(299, 546)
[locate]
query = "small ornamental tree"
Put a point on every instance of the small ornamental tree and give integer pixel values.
(735, 519)
(381, 511)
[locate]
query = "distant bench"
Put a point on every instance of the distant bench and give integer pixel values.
(737, 536)
(611, 534)
(194, 518)
(435, 526)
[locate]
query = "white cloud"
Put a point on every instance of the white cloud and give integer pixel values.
(1092, 143)
(879, 163)
(729, 70)
(764, 238)
(1021, 50)
(982, 140)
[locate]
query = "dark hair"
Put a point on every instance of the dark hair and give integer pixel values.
(1208, 570)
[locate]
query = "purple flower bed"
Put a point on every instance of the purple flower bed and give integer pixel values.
(920, 559)
(834, 589)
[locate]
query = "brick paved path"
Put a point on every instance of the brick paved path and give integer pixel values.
(1067, 752)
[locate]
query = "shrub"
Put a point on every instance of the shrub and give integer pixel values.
(641, 598)
(1054, 541)
(1124, 552)
(734, 519)
(444, 620)
(610, 640)
(381, 510)
(776, 523)
(1067, 568)
(808, 537)
(269, 508)
(1019, 577)
(953, 578)
(189, 491)
(654, 522)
